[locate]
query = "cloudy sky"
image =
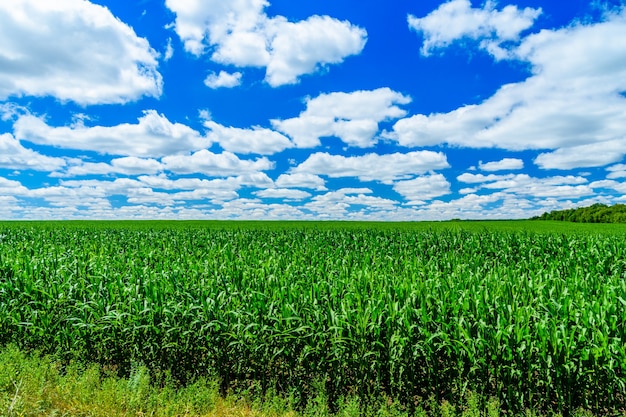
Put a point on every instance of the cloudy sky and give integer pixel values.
(325, 109)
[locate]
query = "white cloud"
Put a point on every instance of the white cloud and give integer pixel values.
(223, 79)
(73, 50)
(242, 34)
(128, 166)
(13, 155)
(86, 168)
(457, 20)
(256, 179)
(333, 204)
(12, 188)
(559, 187)
(371, 203)
(11, 111)
(133, 166)
(212, 195)
(338, 195)
(115, 187)
(351, 204)
(148, 190)
(502, 165)
(480, 178)
(214, 20)
(309, 181)
(620, 187)
(149, 196)
(571, 104)
(73, 197)
(373, 167)
(169, 50)
(303, 47)
(616, 171)
(162, 182)
(473, 206)
(64, 201)
(470, 178)
(218, 165)
(153, 136)
(161, 190)
(422, 189)
(468, 190)
(245, 141)
(245, 208)
(352, 117)
(589, 155)
(9, 208)
(232, 172)
(283, 194)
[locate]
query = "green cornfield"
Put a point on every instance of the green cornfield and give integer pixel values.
(533, 314)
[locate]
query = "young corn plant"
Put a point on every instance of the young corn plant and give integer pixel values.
(531, 319)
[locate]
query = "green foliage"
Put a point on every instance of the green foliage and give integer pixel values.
(596, 213)
(34, 385)
(322, 313)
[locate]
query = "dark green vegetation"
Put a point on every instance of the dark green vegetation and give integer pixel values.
(35, 386)
(596, 213)
(530, 313)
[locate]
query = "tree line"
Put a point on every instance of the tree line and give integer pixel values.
(596, 213)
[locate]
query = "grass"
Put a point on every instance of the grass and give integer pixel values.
(36, 385)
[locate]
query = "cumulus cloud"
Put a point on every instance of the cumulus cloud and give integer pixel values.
(283, 194)
(241, 34)
(620, 187)
(370, 203)
(560, 187)
(12, 188)
(471, 206)
(588, 155)
(13, 155)
(162, 182)
(73, 50)
(223, 79)
(480, 178)
(470, 178)
(303, 47)
(127, 166)
(349, 203)
(157, 190)
(133, 166)
(245, 141)
(301, 180)
(502, 165)
(352, 117)
(247, 208)
(213, 20)
(217, 165)
(153, 136)
(616, 171)
(373, 167)
(457, 20)
(571, 104)
(422, 189)
(256, 179)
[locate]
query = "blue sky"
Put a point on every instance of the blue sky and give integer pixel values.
(290, 109)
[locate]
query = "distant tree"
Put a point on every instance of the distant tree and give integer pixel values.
(596, 213)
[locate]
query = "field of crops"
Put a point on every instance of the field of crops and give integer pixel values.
(531, 313)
